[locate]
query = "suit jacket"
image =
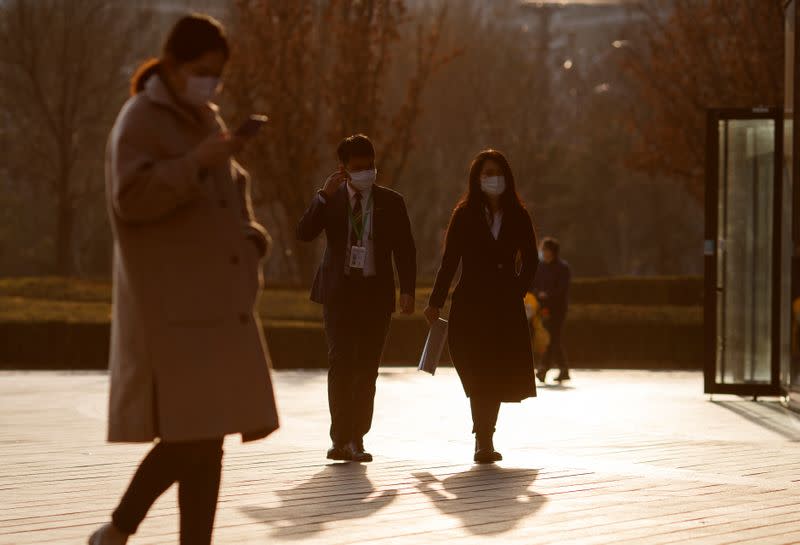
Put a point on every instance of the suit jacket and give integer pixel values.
(391, 232)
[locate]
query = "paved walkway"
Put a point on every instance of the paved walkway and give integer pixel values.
(615, 457)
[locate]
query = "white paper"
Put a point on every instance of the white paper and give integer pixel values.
(434, 345)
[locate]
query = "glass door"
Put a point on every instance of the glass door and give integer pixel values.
(743, 252)
(791, 145)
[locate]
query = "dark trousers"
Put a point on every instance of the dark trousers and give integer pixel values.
(484, 415)
(555, 356)
(356, 327)
(196, 466)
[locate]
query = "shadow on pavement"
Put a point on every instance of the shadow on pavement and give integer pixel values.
(488, 500)
(337, 493)
(770, 415)
(555, 387)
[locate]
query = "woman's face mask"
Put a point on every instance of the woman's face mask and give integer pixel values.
(493, 185)
(363, 180)
(201, 78)
(200, 90)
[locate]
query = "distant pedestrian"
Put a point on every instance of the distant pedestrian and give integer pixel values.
(551, 288)
(188, 363)
(490, 235)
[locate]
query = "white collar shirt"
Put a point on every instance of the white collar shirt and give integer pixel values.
(495, 222)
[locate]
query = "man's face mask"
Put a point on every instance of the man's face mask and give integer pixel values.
(363, 180)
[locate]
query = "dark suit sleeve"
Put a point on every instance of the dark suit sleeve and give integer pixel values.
(313, 221)
(535, 286)
(530, 255)
(405, 253)
(453, 249)
(559, 293)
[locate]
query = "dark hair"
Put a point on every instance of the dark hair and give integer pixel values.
(474, 197)
(190, 38)
(549, 243)
(357, 145)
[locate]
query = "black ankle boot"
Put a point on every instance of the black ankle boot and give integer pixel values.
(484, 450)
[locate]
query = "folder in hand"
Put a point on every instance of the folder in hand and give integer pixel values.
(437, 337)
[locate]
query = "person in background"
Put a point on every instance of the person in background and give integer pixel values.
(188, 363)
(365, 225)
(551, 288)
(490, 234)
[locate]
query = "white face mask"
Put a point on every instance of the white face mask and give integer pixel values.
(363, 179)
(493, 185)
(200, 90)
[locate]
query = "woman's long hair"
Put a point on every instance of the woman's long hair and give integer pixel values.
(474, 198)
(190, 38)
(475, 201)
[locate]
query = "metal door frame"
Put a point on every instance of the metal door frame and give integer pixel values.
(714, 116)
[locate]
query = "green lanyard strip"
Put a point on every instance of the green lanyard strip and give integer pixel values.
(367, 212)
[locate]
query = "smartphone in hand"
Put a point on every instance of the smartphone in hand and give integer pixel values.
(251, 126)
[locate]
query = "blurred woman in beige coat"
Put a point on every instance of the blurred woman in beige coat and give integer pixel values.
(188, 362)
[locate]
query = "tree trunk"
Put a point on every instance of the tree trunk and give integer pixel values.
(65, 224)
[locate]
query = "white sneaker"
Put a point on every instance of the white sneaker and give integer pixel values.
(108, 535)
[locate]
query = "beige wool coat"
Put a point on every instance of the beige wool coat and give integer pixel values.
(188, 359)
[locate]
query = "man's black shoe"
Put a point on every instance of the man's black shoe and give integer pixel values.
(340, 452)
(562, 376)
(357, 452)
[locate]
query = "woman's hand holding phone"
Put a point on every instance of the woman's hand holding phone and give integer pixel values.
(251, 126)
(217, 149)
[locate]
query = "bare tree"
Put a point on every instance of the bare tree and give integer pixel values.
(319, 69)
(687, 56)
(62, 79)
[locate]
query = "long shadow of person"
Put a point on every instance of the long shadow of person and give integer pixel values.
(337, 493)
(489, 500)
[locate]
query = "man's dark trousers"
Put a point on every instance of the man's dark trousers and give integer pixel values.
(555, 356)
(356, 326)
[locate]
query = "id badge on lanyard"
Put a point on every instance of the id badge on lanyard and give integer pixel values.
(358, 251)
(358, 257)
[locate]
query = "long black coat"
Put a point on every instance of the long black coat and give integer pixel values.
(489, 336)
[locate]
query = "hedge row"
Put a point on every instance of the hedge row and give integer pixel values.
(639, 290)
(645, 290)
(592, 341)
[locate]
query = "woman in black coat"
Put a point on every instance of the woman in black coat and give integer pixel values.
(492, 236)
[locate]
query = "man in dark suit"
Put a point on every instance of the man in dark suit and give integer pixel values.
(365, 226)
(551, 288)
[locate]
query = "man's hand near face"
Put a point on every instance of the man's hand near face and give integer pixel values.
(334, 181)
